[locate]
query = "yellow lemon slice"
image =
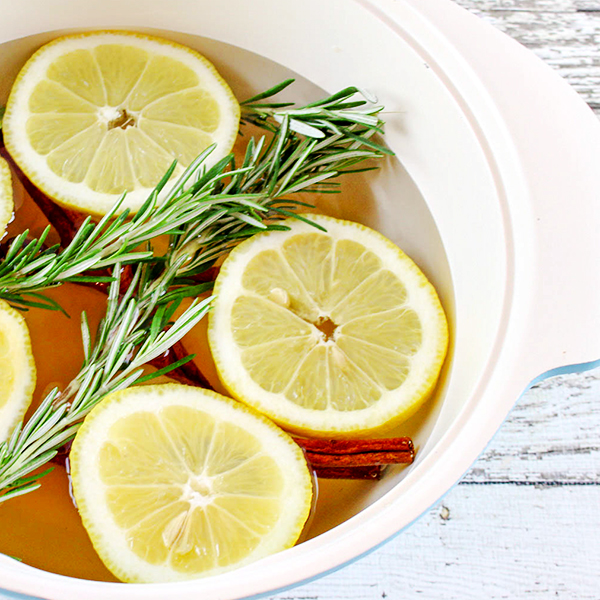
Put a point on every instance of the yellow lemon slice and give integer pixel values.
(91, 116)
(175, 482)
(6, 196)
(17, 369)
(335, 333)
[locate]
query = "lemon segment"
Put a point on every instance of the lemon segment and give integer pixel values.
(174, 483)
(6, 197)
(328, 333)
(17, 369)
(91, 116)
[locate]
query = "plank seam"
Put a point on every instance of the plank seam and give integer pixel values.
(535, 11)
(534, 483)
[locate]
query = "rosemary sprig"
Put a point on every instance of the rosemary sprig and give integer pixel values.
(333, 113)
(136, 329)
(211, 208)
(205, 213)
(308, 148)
(28, 267)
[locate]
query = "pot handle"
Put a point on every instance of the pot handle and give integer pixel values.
(556, 137)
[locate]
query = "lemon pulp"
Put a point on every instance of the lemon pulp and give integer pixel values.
(94, 115)
(17, 369)
(174, 482)
(328, 333)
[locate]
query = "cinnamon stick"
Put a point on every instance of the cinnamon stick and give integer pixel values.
(374, 472)
(189, 373)
(332, 459)
(356, 453)
(205, 276)
(355, 459)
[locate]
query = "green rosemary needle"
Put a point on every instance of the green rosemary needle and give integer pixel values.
(308, 147)
(205, 214)
(136, 329)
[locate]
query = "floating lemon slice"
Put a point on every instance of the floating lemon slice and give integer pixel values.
(6, 196)
(174, 482)
(17, 369)
(335, 333)
(91, 116)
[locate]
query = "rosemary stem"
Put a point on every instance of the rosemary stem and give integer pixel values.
(205, 213)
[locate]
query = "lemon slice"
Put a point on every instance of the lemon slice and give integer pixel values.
(335, 333)
(174, 482)
(6, 196)
(91, 116)
(17, 369)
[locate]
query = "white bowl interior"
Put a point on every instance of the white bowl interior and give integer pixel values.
(438, 199)
(387, 200)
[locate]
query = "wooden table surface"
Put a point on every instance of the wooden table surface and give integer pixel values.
(525, 521)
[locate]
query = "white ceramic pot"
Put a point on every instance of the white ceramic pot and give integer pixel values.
(494, 192)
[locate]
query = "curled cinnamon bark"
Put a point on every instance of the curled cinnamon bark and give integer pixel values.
(374, 472)
(338, 458)
(349, 453)
(188, 373)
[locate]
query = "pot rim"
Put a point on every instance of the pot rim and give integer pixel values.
(471, 430)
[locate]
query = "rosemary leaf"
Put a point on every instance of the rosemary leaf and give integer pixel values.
(19, 491)
(166, 370)
(268, 93)
(205, 213)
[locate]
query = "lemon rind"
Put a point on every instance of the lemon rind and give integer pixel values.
(13, 411)
(6, 197)
(78, 196)
(394, 407)
(107, 537)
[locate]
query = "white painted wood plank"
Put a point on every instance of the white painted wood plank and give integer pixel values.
(485, 7)
(563, 33)
(552, 435)
(484, 542)
(524, 522)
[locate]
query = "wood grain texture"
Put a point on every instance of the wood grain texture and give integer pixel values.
(563, 33)
(551, 436)
(467, 549)
(524, 522)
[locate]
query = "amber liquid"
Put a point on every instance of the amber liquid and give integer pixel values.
(43, 528)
